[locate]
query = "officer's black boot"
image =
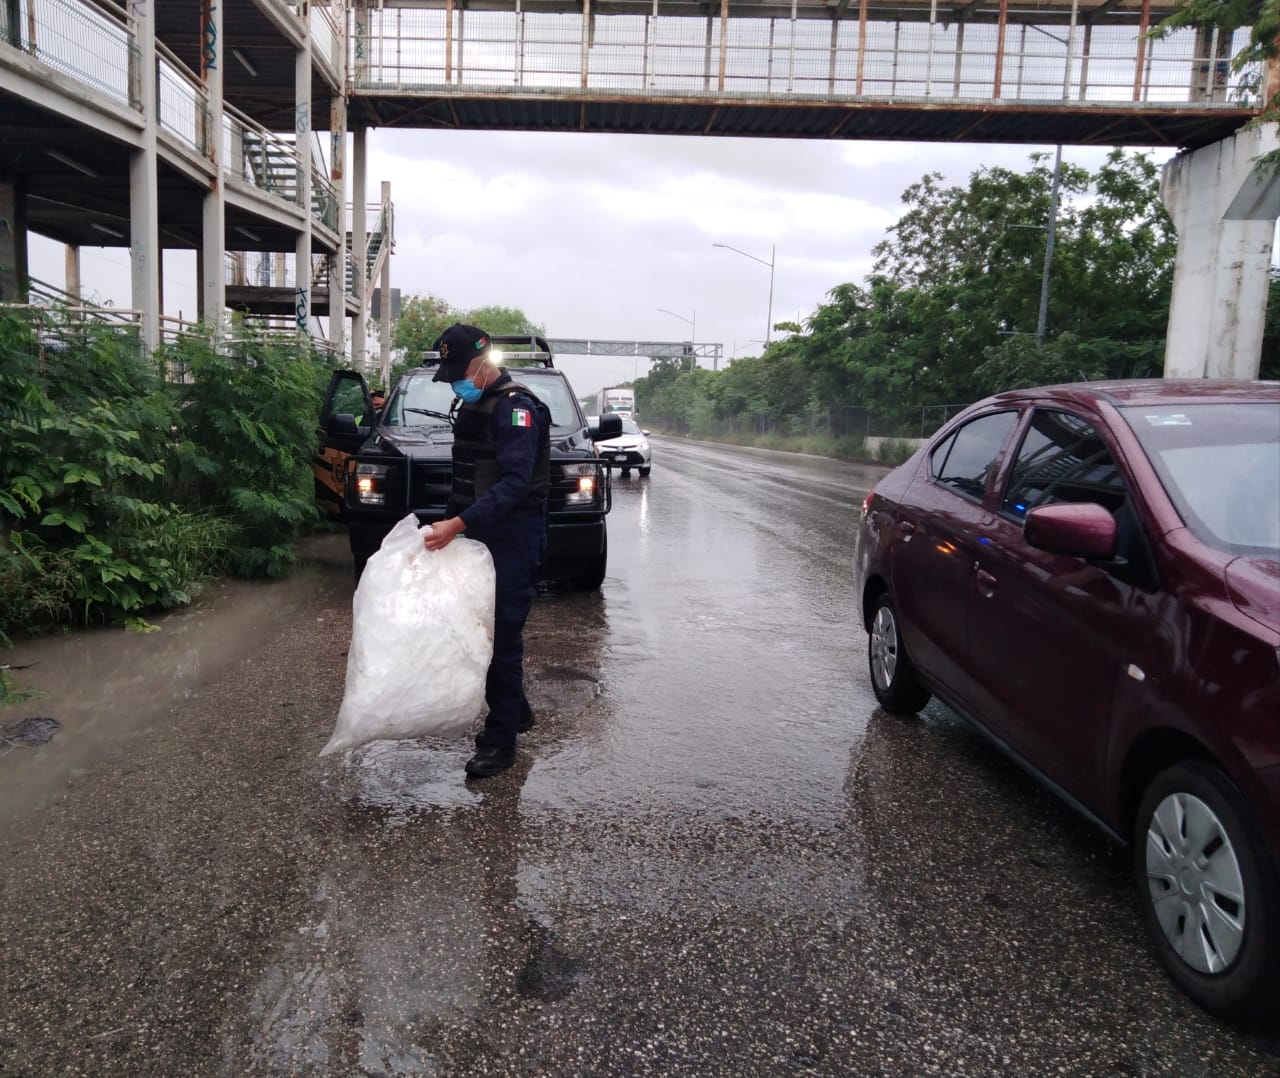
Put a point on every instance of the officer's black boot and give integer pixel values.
(490, 759)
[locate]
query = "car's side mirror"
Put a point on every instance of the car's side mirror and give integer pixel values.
(644, 432)
(1081, 529)
(610, 426)
(342, 425)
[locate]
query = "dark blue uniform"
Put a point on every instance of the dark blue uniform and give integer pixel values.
(501, 476)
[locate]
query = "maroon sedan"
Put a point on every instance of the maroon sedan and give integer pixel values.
(1090, 574)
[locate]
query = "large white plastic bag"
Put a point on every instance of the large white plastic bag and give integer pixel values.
(421, 641)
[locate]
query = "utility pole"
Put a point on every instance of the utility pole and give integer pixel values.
(1048, 248)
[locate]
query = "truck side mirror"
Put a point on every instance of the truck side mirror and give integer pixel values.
(342, 425)
(610, 426)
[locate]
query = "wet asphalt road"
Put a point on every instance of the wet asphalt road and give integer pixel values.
(715, 856)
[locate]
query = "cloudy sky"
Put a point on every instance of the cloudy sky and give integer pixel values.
(591, 235)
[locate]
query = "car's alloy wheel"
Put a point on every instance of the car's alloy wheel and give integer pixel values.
(893, 676)
(1210, 900)
(1194, 877)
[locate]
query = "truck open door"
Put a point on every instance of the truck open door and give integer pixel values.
(346, 418)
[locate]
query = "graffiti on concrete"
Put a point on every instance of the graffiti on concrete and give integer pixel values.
(209, 47)
(301, 308)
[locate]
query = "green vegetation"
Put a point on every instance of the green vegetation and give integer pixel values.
(122, 490)
(423, 318)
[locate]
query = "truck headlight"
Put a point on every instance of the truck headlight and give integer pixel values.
(370, 484)
(583, 480)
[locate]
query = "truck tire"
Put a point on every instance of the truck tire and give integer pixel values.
(592, 576)
(361, 551)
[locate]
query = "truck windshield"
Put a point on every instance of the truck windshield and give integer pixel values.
(419, 402)
(554, 393)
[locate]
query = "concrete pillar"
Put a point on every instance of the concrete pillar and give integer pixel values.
(72, 277)
(213, 285)
(338, 177)
(302, 131)
(1224, 205)
(144, 185)
(388, 240)
(360, 245)
(13, 240)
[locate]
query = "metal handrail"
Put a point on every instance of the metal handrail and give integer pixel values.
(182, 102)
(95, 45)
(326, 37)
(421, 50)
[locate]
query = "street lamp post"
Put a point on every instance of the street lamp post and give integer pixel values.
(773, 254)
(693, 331)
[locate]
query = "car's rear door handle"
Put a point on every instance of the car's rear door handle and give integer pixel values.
(986, 582)
(907, 529)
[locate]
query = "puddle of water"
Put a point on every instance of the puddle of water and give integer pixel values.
(402, 779)
(103, 685)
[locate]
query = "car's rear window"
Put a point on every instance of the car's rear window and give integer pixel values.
(1220, 464)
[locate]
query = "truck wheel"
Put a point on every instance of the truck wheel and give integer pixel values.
(361, 551)
(592, 576)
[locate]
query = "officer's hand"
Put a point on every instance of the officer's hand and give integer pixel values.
(441, 534)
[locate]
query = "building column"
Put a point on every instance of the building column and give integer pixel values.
(13, 240)
(338, 177)
(302, 137)
(360, 245)
(144, 185)
(72, 277)
(388, 242)
(1224, 206)
(213, 285)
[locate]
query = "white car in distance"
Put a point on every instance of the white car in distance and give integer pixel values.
(628, 450)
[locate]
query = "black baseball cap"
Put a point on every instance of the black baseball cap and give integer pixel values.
(458, 346)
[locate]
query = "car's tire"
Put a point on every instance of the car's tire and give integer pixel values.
(592, 576)
(1208, 890)
(644, 472)
(893, 676)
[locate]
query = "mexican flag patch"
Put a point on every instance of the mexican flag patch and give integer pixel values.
(520, 417)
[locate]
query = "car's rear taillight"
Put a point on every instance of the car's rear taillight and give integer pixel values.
(866, 506)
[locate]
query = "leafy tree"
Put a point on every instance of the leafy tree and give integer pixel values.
(422, 320)
(246, 437)
(1263, 19)
(88, 527)
(502, 321)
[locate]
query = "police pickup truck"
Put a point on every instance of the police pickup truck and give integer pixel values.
(375, 465)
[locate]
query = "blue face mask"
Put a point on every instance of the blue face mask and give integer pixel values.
(467, 390)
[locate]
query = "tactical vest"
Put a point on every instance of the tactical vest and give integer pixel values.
(475, 459)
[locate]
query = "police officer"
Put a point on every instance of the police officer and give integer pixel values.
(501, 475)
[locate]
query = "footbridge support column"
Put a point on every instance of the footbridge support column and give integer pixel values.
(1224, 203)
(13, 240)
